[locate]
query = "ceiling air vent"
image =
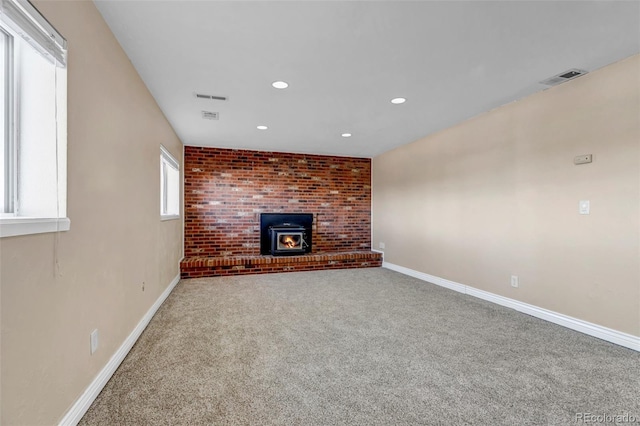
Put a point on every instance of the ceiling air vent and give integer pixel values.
(208, 115)
(211, 97)
(564, 76)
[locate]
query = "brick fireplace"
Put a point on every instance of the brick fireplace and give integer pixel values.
(226, 191)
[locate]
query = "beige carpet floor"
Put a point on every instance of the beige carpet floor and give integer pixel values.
(358, 347)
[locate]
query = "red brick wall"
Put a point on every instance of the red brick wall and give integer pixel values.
(226, 190)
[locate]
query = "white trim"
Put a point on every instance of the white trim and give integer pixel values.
(594, 330)
(34, 28)
(451, 285)
(14, 226)
(166, 155)
(168, 161)
(379, 251)
(82, 404)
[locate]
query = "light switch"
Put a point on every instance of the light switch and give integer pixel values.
(583, 159)
(584, 207)
(94, 341)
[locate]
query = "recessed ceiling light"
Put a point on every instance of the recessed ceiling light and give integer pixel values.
(346, 135)
(280, 84)
(398, 100)
(262, 127)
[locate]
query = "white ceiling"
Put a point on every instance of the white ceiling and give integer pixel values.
(345, 60)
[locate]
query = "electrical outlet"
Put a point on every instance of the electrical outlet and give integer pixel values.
(94, 341)
(514, 281)
(381, 245)
(142, 285)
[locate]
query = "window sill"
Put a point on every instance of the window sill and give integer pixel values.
(14, 226)
(170, 217)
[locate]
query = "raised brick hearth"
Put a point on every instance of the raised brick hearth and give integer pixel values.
(195, 267)
(226, 190)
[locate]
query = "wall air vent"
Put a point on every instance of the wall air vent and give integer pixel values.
(562, 77)
(208, 115)
(211, 97)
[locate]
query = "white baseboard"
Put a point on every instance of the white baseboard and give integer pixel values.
(80, 407)
(604, 333)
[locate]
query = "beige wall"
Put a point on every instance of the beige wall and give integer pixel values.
(498, 195)
(57, 289)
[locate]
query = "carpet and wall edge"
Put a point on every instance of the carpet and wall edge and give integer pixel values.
(594, 330)
(82, 404)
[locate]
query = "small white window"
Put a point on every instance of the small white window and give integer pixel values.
(33, 119)
(169, 186)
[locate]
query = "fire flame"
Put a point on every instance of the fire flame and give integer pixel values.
(288, 241)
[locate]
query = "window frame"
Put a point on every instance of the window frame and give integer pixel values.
(9, 144)
(168, 160)
(21, 19)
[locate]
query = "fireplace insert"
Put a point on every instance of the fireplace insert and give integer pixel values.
(288, 239)
(284, 234)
